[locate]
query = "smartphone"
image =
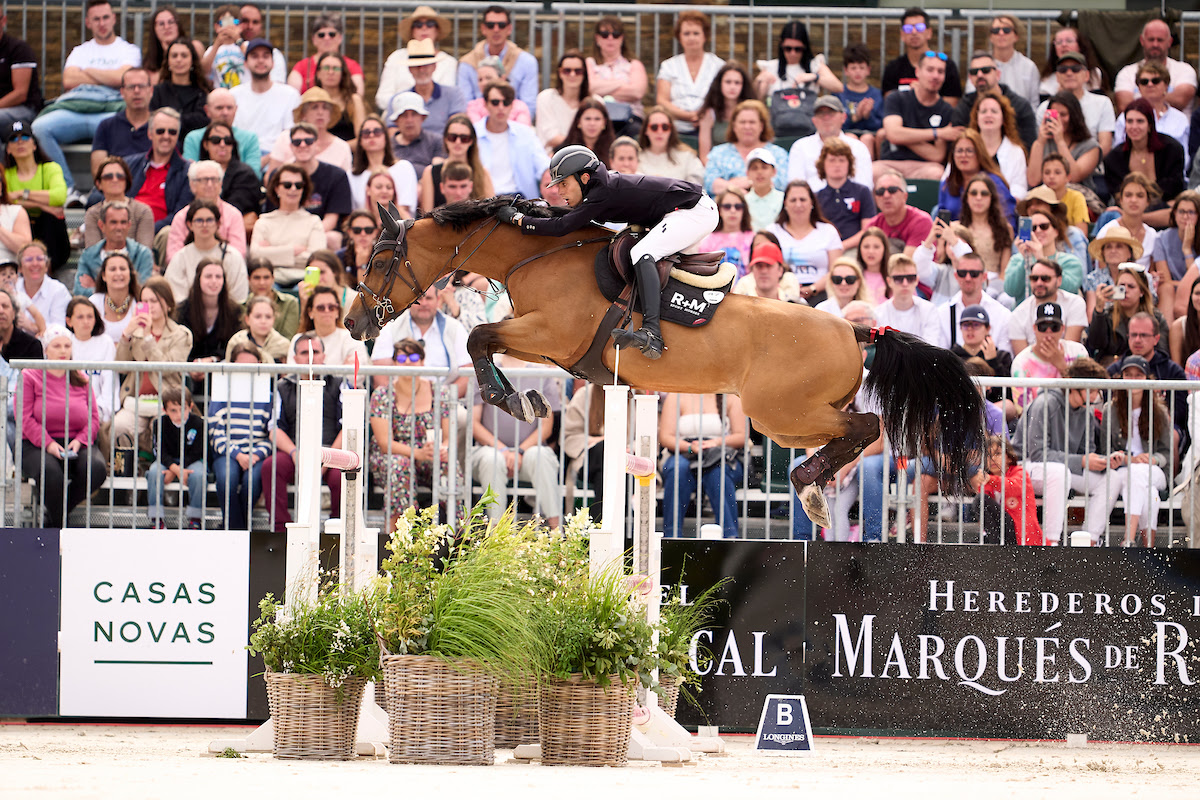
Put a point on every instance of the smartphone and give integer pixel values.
(142, 308)
(312, 275)
(1051, 113)
(1119, 292)
(1024, 229)
(944, 215)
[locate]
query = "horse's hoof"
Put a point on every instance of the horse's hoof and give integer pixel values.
(520, 407)
(541, 406)
(816, 506)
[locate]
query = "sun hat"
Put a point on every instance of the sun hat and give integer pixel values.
(1117, 233)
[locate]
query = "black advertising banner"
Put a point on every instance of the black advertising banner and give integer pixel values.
(29, 623)
(1012, 642)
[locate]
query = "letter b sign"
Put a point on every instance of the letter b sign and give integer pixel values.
(783, 728)
(783, 714)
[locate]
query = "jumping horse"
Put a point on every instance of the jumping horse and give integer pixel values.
(794, 368)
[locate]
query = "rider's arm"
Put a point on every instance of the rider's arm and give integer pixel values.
(573, 220)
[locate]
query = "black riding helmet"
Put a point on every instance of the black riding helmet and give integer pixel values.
(575, 160)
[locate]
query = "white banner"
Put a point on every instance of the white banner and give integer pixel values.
(154, 623)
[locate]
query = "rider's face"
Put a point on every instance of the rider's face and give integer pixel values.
(571, 191)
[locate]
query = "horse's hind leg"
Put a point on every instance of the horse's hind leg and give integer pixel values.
(494, 386)
(811, 476)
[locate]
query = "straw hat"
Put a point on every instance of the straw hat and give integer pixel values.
(421, 52)
(1117, 233)
(1043, 193)
(423, 12)
(317, 95)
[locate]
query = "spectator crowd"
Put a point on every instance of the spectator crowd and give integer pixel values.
(234, 208)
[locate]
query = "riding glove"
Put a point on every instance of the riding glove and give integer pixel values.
(510, 215)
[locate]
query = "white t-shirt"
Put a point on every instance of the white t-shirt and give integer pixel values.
(687, 93)
(445, 341)
(792, 72)
(1182, 74)
(266, 114)
(114, 55)
(98, 348)
(920, 320)
(1150, 235)
(808, 257)
(403, 175)
(1020, 324)
(1022, 76)
(340, 348)
(500, 166)
(229, 66)
(1097, 113)
(802, 161)
(830, 306)
(1013, 166)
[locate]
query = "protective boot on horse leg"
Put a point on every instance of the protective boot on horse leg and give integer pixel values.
(676, 213)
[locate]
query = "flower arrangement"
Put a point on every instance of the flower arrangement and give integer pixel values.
(678, 625)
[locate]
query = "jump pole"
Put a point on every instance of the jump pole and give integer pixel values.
(359, 550)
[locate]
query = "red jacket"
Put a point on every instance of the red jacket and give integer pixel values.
(1018, 500)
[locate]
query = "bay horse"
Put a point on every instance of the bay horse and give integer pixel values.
(794, 368)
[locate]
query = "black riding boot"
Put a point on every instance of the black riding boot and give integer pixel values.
(648, 338)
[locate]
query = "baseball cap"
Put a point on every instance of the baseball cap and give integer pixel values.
(1132, 360)
(829, 102)
(406, 101)
(761, 154)
(259, 42)
(766, 253)
(1049, 311)
(1072, 56)
(17, 128)
(974, 314)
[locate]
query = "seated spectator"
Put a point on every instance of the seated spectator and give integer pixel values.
(1064, 449)
(513, 156)
(971, 278)
(1156, 44)
(1152, 82)
(969, 159)
(239, 431)
(975, 341)
(371, 152)
(874, 250)
(265, 106)
(151, 336)
(1054, 178)
(1115, 303)
(206, 179)
(279, 468)
(259, 314)
(445, 339)
(322, 315)
(19, 79)
(206, 245)
(128, 131)
(210, 314)
(847, 205)
(1175, 248)
(422, 25)
(846, 285)
(113, 181)
(316, 110)
(117, 286)
(34, 287)
(240, 187)
(1018, 120)
(1185, 330)
(1116, 246)
(331, 274)
(181, 451)
(795, 65)
(1042, 198)
(683, 80)
(663, 154)
(59, 414)
(863, 102)
(1095, 107)
(916, 147)
(113, 226)
(1064, 131)
(1016, 69)
(558, 105)
(993, 119)
(36, 183)
(624, 156)
(729, 88)
(461, 144)
(1071, 40)
(221, 110)
(262, 284)
(1008, 484)
(380, 190)
(521, 66)
(160, 176)
(709, 429)
(360, 231)
(829, 116)
(28, 318)
(14, 227)
(733, 235)
(182, 86)
(458, 184)
(809, 243)
(991, 233)
(1140, 447)
(1049, 356)
(612, 73)
(491, 70)
(1049, 241)
(899, 221)
(227, 61)
(750, 130)
(14, 342)
(769, 277)
(289, 234)
(937, 259)
(763, 200)
(592, 128)
(1145, 340)
(904, 311)
(1135, 194)
(88, 343)
(441, 102)
(1045, 286)
(334, 78)
(901, 73)
(1142, 143)
(327, 34)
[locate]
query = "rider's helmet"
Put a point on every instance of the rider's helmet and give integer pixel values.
(573, 159)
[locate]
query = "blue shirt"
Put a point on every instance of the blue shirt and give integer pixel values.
(850, 99)
(724, 161)
(523, 77)
(445, 103)
(247, 143)
(90, 261)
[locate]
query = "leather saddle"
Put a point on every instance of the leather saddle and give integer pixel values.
(702, 264)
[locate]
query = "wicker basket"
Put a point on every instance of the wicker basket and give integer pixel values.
(309, 721)
(517, 713)
(439, 712)
(583, 724)
(668, 695)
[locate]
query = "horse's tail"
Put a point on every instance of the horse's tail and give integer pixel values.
(929, 404)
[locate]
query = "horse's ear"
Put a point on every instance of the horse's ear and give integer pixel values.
(395, 212)
(389, 220)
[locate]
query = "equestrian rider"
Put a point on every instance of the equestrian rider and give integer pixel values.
(677, 215)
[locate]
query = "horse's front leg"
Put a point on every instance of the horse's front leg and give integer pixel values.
(484, 342)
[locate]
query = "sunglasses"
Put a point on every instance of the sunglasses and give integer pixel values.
(849, 280)
(291, 185)
(659, 127)
(497, 102)
(425, 23)
(371, 133)
(327, 34)
(204, 221)
(492, 26)
(732, 206)
(880, 191)
(166, 131)
(21, 137)
(571, 70)
(920, 27)
(113, 176)
(909, 278)
(968, 273)
(463, 138)
(304, 141)
(1062, 69)
(407, 358)
(973, 71)
(1149, 81)
(1042, 278)
(935, 54)
(609, 34)
(220, 140)
(1048, 327)
(362, 228)
(1002, 29)
(979, 193)
(325, 308)
(790, 49)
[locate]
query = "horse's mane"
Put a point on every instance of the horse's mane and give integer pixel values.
(460, 215)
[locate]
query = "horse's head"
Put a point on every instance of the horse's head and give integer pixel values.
(379, 299)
